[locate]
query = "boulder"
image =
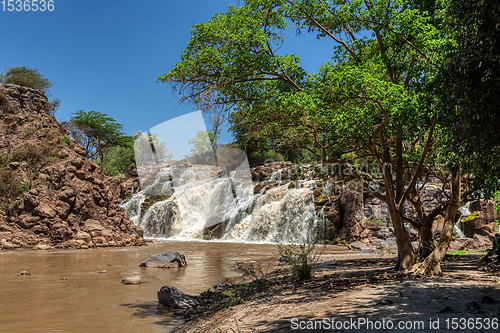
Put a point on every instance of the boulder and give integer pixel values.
(175, 299)
(165, 260)
(360, 246)
(132, 280)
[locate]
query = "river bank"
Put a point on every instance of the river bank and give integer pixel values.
(359, 287)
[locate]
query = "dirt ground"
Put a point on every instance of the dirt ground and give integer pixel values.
(359, 293)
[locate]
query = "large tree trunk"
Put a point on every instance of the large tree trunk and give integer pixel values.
(425, 236)
(432, 263)
(406, 253)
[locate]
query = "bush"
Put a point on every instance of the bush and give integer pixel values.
(9, 184)
(302, 259)
(66, 140)
(25, 76)
(118, 161)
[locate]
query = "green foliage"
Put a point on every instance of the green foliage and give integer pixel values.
(100, 133)
(302, 259)
(66, 140)
(25, 76)
(25, 186)
(376, 221)
(469, 86)
(119, 160)
(463, 252)
(496, 246)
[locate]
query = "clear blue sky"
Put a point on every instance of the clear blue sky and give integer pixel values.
(106, 55)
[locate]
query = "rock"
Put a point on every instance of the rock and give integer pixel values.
(44, 210)
(24, 273)
(14, 165)
(222, 286)
(167, 259)
(175, 299)
(447, 309)
(473, 306)
(359, 246)
(366, 251)
(132, 280)
(62, 154)
(481, 242)
(488, 300)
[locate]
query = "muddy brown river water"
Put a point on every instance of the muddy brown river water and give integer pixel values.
(68, 292)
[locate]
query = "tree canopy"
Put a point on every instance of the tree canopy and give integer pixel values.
(98, 133)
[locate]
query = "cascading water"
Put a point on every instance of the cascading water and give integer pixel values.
(464, 211)
(201, 198)
(133, 206)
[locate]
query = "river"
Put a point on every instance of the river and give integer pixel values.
(80, 290)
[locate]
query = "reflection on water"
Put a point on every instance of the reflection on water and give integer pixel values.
(68, 291)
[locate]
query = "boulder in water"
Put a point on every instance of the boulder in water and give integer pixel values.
(175, 299)
(165, 260)
(132, 280)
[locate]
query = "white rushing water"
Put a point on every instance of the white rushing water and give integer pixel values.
(464, 211)
(201, 197)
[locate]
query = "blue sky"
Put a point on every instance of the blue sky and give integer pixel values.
(106, 55)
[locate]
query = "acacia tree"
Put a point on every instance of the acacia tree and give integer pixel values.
(367, 102)
(98, 133)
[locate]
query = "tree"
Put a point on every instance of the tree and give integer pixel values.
(367, 102)
(98, 133)
(471, 82)
(25, 76)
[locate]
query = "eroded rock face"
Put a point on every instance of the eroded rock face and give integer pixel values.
(70, 202)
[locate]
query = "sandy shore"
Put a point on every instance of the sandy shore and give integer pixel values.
(359, 293)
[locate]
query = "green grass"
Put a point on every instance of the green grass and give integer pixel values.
(462, 252)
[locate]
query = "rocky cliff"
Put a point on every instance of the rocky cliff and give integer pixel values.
(51, 195)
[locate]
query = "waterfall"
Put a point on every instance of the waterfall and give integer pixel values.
(458, 231)
(464, 211)
(202, 197)
(133, 206)
(276, 176)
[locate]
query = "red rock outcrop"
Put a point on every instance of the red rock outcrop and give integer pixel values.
(51, 194)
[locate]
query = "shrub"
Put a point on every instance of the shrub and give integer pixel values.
(25, 186)
(118, 161)
(66, 140)
(302, 259)
(25, 76)
(9, 184)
